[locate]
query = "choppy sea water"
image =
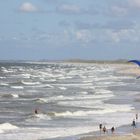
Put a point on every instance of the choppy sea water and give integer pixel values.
(72, 99)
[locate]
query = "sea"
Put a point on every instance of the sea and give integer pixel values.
(72, 99)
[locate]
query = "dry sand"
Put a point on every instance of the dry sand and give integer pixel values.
(128, 69)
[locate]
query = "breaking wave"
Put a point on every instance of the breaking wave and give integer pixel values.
(7, 126)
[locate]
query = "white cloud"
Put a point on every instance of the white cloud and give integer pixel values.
(28, 7)
(84, 35)
(126, 35)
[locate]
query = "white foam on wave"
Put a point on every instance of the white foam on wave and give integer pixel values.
(88, 97)
(83, 100)
(47, 133)
(118, 108)
(41, 100)
(83, 92)
(73, 114)
(62, 88)
(106, 78)
(15, 95)
(50, 75)
(87, 81)
(102, 91)
(26, 75)
(112, 83)
(50, 99)
(45, 74)
(88, 87)
(7, 126)
(47, 80)
(75, 84)
(4, 84)
(104, 110)
(44, 86)
(62, 78)
(82, 103)
(17, 87)
(43, 116)
(75, 100)
(10, 95)
(6, 70)
(30, 83)
(38, 117)
(2, 77)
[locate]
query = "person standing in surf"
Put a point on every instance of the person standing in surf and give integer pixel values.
(112, 129)
(36, 111)
(104, 130)
(136, 116)
(134, 123)
(100, 127)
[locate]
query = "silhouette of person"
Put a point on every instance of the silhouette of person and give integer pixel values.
(104, 129)
(100, 126)
(112, 129)
(134, 123)
(36, 111)
(136, 116)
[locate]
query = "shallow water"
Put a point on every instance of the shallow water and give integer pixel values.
(72, 99)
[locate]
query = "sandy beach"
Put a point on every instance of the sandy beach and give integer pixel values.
(115, 137)
(131, 69)
(134, 135)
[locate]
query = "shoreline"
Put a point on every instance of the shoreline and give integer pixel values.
(126, 132)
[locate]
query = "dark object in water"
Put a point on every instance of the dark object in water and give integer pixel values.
(36, 112)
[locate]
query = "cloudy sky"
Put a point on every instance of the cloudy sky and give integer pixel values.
(65, 29)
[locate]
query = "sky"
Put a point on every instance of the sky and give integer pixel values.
(69, 29)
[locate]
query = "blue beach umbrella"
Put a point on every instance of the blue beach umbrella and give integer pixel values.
(136, 62)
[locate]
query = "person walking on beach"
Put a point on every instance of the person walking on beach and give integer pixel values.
(104, 129)
(112, 129)
(136, 116)
(100, 127)
(134, 123)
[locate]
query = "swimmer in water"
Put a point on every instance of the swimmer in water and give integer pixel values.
(36, 111)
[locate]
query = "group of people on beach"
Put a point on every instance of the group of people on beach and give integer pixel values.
(104, 129)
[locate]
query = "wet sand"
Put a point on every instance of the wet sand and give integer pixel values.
(133, 135)
(115, 137)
